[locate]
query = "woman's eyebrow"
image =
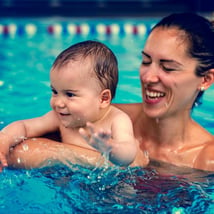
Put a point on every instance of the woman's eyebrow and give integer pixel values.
(147, 55)
(171, 61)
(163, 60)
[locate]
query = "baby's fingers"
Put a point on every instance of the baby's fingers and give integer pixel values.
(84, 134)
(105, 135)
(90, 127)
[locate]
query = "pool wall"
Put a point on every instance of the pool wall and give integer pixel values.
(91, 8)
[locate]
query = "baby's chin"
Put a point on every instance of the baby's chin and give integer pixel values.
(74, 124)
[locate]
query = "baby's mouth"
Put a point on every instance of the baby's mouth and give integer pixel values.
(63, 114)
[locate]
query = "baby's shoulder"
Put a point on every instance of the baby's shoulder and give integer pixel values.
(132, 109)
(120, 119)
(117, 113)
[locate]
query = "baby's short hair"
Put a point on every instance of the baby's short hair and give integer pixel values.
(105, 65)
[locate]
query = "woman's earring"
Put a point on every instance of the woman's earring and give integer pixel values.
(202, 88)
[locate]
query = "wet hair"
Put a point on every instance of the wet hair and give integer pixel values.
(199, 34)
(105, 65)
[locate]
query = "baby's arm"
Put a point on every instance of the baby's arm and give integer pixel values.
(124, 144)
(17, 131)
(119, 142)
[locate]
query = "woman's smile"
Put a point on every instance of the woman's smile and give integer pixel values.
(153, 96)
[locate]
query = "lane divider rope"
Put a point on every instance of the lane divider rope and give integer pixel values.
(75, 29)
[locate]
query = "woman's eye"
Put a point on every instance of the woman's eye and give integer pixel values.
(146, 63)
(168, 69)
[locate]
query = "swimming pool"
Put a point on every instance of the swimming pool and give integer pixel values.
(28, 48)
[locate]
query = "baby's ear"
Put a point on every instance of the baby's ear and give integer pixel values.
(208, 79)
(105, 97)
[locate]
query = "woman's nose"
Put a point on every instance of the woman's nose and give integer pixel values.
(149, 74)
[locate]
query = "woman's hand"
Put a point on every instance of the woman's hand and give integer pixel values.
(4, 150)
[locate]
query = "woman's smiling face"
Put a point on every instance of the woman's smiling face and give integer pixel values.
(167, 73)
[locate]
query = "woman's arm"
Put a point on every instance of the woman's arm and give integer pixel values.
(42, 152)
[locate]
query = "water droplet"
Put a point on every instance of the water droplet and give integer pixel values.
(28, 173)
(18, 160)
(25, 147)
(146, 153)
(196, 104)
(157, 120)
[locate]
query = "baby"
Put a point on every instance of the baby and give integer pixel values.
(83, 83)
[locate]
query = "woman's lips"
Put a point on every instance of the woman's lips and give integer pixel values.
(153, 96)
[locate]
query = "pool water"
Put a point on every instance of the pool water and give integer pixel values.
(28, 49)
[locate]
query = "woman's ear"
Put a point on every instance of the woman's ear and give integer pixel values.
(105, 97)
(208, 80)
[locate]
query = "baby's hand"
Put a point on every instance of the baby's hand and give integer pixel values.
(99, 140)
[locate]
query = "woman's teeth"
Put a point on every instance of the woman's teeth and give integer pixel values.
(153, 94)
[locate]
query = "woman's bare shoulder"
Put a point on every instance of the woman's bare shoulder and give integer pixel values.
(205, 159)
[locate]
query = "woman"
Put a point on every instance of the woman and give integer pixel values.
(177, 67)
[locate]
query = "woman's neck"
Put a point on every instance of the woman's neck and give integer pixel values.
(167, 131)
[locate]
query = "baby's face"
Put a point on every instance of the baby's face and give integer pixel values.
(76, 93)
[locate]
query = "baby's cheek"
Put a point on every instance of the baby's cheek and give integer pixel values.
(51, 102)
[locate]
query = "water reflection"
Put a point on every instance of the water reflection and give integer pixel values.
(158, 188)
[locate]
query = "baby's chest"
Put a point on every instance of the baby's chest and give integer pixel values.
(74, 138)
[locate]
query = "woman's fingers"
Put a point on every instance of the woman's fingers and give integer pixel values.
(3, 162)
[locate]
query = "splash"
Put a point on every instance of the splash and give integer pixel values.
(179, 210)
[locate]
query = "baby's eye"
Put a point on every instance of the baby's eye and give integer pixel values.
(70, 94)
(54, 91)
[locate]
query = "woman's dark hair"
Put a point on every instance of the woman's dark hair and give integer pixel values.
(199, 32)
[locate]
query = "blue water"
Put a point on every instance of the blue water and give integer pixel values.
(79, 190)
(25, 61)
